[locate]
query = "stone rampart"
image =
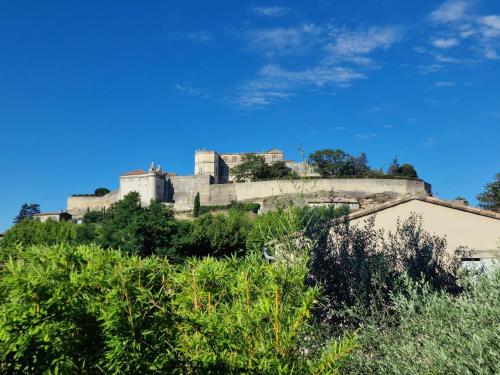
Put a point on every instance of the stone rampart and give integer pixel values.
(79, 205)
(214, 195)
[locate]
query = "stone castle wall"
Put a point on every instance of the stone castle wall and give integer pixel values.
(215, 195)
(78, 206)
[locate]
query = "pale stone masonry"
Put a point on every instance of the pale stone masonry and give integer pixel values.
(212, 180)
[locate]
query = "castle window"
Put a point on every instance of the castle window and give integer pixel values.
(200, 169)
(274, 157)
(234, 159)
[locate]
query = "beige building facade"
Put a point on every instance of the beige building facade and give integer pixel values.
(464, 227)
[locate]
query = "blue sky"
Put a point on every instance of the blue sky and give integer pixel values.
(91, 89)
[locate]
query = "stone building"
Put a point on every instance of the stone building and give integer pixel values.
(54, 216)
(211, 163)
(213, 181)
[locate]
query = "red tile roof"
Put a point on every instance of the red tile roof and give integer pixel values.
(134, 172)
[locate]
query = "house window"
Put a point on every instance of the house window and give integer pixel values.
(234, 159)
(274, 158)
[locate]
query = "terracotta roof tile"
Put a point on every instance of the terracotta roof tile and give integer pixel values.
(134, 172)
(432, 200)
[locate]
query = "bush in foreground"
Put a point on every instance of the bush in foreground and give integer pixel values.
(436, 333)
(79, 309)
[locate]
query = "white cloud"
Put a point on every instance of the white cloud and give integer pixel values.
(270, 11)
(445, 43)
(275, 83)
(429, 142)
(199, 36)
(188, 90)
(444, 84)
(355, 45)
(326, 56)
(366, 135)
(479, 34)
(282, 40)
(450, 11)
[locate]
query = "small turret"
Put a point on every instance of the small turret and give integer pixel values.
(158, 169)
(152, 167)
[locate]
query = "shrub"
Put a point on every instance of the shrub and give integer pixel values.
(436, 333)
(78, 309)
(34, 232)
(101, 192)
(215, 235)
(359, 268)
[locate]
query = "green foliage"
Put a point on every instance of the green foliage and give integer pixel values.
(87, 233)
(277, 169)
(102, 191)
(196, 207)
(254, 167)
(405, 170)
(34, 232)
(135, 229)
(26, 212)
(287, 220)
(329, 163)
(247, 207)
(94, 217)
(216, 235)
(67, 309)
(436, 333)
(490, 198)
(360, 268)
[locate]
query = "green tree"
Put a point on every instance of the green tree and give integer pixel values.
(196, 207)
(393, 167)
(102, 191)
(135, 229)
(408, 170)
(121, 225)
(94, 217)
(278, 169)
(252, 168)
(329, 162)
(489, 199)
(26, 212)
(404, 170)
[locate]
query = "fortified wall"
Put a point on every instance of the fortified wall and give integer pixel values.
(224, 194)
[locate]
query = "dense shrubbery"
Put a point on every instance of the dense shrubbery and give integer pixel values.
(436, 333)
(34, 232)
(79, 309)
(360, 268)
(66, 308)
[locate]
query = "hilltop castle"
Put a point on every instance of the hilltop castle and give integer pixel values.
(214, 182)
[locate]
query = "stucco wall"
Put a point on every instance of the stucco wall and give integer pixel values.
(224, 194)
(460, 228)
